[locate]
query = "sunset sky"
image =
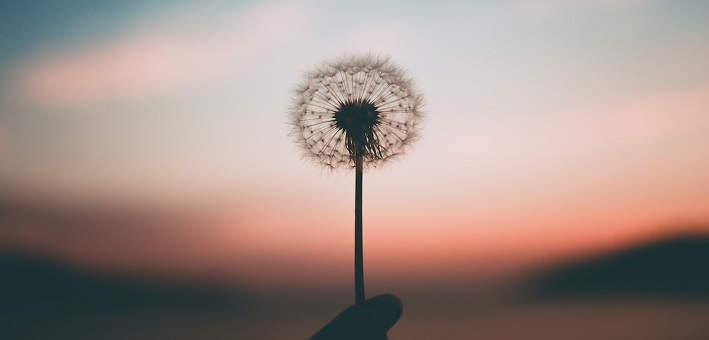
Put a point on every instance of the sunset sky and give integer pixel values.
(153, 135)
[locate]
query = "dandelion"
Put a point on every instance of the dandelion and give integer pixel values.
(356, 112)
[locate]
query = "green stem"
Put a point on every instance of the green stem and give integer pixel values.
(359, 262)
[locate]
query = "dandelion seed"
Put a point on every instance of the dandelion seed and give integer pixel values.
(361, 99)
(356, 112)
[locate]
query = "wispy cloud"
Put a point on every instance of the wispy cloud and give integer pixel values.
(637, 121)
(554, 140)
(652, 118)
(162, 57)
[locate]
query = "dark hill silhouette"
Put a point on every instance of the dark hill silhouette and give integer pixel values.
(33, 285)
(674, 267)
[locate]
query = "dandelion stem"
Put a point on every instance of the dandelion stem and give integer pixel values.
(359, 262)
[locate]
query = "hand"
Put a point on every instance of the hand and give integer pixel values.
(370, 320)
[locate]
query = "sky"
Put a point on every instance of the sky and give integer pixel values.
(153, 135)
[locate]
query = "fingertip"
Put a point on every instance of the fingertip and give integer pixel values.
(387, 307)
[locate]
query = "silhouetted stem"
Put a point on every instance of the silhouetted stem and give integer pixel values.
(359, 263)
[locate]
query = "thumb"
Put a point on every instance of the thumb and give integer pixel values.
(370, 320)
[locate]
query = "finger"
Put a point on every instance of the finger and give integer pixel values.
(370, 321)
(387, 307)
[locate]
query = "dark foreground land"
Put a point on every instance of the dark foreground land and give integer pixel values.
(651, 291)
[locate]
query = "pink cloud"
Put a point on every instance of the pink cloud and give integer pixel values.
(155, 62)
(142, 66)
(634, 121)
(653, 117)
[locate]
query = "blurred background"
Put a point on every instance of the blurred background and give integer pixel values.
(149, 188)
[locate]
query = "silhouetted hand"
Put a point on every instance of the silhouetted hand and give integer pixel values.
(369, 321)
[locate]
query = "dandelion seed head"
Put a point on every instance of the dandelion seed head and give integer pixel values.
(358, 106)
